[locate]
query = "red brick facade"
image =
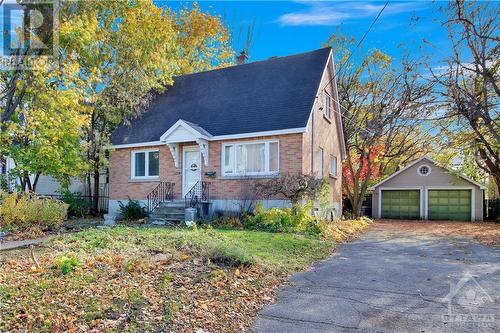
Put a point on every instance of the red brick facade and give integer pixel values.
(123, 186)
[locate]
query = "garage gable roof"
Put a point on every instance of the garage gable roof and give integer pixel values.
(481, 186)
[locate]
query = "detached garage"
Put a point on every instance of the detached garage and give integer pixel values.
(424, 190)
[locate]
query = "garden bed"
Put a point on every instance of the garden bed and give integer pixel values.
(152, 279)
(71, 225)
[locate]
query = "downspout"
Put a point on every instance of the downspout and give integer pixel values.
(312, 139)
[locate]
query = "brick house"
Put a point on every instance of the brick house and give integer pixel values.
(219, 131)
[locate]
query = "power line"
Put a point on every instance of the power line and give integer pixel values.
(357, 46)
(373, 23)
(359, 43)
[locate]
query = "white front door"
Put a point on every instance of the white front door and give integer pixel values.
(191, 168)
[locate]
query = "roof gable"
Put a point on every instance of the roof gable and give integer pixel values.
(272, 95)
(429, 161)
(183, 131)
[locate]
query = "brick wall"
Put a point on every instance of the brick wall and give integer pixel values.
(290, 152)
(122, 186)
(326, 136)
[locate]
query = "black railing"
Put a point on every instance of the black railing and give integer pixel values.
(163, 192)
(199, 193)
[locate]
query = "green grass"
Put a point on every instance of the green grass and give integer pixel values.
(153, 278)
(283, 252)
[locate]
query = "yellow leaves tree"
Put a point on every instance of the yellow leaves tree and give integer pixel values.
(43, 135)
(127, 52)
(203, 40)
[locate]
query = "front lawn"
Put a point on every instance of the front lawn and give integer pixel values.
(129, 279)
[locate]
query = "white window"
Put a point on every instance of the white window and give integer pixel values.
(320, 163)
(328, 107)
(250, 158)
(145, 164)
(333, 166)
(424, 170)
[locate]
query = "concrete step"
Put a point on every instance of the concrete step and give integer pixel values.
(171, 205)
(169, 210)
(163, 222)
(168, 217)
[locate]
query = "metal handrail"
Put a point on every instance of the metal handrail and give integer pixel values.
(163, 192)
(200, 192)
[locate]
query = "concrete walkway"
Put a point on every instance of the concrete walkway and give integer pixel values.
(393, 281)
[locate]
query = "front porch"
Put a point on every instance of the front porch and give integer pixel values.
(164, 207)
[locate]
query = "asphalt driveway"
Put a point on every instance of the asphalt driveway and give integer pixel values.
(393, 281)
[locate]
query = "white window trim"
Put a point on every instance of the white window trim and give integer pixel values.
(266, 171)
(420, 167)
(146, 161)
(332, 157)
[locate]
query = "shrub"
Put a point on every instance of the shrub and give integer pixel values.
(68, 264)
(227, 222)
(227, 254)
(295, 219)
(19, 212)
(78, 206)
(294, 187)
(133, 210)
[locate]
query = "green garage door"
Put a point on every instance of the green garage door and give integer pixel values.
(401, 204)
(449, 205)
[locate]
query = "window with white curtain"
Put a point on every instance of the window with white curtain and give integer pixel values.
(328, 106)
(320, 163)
(333, 166)
(145, 164)
(250, 158)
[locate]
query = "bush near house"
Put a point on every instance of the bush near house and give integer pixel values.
(22, 211)
(132, 210)
(296, 219)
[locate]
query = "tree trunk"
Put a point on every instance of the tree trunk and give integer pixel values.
(35, 182)
(356, 205)
(497, 182)
(95, 202)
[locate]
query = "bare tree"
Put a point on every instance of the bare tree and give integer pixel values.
(468, 83)
(383, 105)
(294, 187)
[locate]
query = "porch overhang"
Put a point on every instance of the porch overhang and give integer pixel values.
(184, 131)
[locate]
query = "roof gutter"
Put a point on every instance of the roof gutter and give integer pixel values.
(218, 137)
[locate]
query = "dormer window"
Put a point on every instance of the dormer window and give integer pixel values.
(328, 106)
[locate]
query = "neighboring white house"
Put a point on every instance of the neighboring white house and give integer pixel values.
(424, 190)
(46, 184)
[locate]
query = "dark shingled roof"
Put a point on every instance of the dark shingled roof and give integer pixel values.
(274, 94)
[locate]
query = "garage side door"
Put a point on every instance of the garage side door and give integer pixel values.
(449, 205)
(401, 204)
